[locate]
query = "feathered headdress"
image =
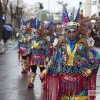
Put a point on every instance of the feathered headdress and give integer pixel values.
(69, 22)
(74, 23)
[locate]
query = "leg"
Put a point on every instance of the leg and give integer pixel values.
(42, 81)
(24, 64)
(42, 68)
(32, 76)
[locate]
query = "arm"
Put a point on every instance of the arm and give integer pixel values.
(18, 45)
(29, 48)
(51, 67)
(93, 62)
(46, 51)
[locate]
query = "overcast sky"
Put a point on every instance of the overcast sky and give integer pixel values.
(53, 3)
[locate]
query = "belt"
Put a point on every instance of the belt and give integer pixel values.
(75, 98)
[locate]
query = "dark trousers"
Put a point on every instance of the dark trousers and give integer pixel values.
(24, 57)
(34, 68)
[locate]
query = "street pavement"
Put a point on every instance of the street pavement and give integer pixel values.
(98, 79)
(13, 84)
(7, 46)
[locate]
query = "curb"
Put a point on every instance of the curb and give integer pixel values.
(9, 47)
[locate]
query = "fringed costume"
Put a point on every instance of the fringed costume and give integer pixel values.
(72, 70)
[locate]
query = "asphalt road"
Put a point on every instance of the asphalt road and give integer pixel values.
(13, 84)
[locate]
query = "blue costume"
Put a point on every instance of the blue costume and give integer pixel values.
(39, 53)
(22, 48)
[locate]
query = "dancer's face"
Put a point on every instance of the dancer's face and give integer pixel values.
(72, 35)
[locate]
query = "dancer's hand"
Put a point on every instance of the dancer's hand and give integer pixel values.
(28, 53)
(42, 76)
(47, 60)
(87, 73)
(17, 50)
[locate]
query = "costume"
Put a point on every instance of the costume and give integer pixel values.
(50, 37)
(38, 53)
(22, 49)
(72, 70)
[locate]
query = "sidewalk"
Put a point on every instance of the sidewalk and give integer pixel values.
(8, 45)
(2, 47)
(98, 83)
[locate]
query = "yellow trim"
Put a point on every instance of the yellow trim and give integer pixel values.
(71, 54)
(81, 98)
(23, 54)
(45, 71)
(35, 45)
(89, 71)
(75, 98)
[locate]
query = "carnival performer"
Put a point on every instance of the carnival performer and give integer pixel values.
(89, 39)
(71, 72)
(22, 49)
(50, 37)
(39, 55)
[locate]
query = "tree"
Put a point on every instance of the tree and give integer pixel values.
(61, 3)
(0, 20)
(17, 13)
(44, 15)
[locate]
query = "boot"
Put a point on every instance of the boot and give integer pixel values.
(24, 66)
(31, 80)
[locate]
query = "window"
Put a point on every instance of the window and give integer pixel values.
(99, 1)
(99, 14)
(94, 2)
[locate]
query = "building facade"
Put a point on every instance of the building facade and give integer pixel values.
(87, 5)
(91, 8)
(96, 8)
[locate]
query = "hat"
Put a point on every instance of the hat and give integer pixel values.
(72, 22)
(24, 28)
(77, 23)
(72, 26)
